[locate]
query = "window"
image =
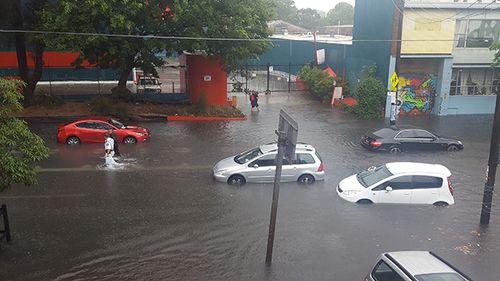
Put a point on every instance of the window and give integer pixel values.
(304, 158)
(476, 33)
(372, 176)
(402, 182)
(102, 126)
(474, 81)
(406, 134)
(440, 277)
(423, 134)
(383, 272)
(85, 125)
(265, 161)
(247, 155)
(427, 182)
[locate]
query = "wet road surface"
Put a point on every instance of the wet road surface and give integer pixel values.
(162, 217)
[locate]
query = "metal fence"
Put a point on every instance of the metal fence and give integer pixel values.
(265, 78)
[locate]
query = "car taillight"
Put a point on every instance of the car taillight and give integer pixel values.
(375, 143)
(320, 169)
(449, 186)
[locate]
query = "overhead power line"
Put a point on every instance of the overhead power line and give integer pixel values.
(209, 38)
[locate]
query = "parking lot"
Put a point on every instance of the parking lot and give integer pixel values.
(162, 217)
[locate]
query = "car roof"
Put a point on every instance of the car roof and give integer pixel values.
(420, 262)
(414, 167)
(298, 147)
(94, 118)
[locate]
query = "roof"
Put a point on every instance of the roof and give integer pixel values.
(420, 262)
(414, 167)
(274, 146)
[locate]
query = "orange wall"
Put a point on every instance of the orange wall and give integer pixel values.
(197, 68)
(51, 59)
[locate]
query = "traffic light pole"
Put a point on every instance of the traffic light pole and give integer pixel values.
(492, 166)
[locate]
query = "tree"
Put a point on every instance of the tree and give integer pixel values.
(21, 17)
(342, 13)
(320, 84)
(194, 19)
(19, 147)
(285, 10)
(309, 18)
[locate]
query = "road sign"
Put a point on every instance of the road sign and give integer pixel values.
(289, 127)
(394, 82)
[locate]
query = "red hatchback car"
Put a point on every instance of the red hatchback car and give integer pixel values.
(93, 129)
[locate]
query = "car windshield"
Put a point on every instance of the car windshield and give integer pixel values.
(373, 175)
(247, 155)
(440, 277)
(116, 123)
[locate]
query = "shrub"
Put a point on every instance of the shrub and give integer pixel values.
(320, 84)
(121, 94)
(110, 106)
(371, 95)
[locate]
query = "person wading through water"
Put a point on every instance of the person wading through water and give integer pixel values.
(115, 141)
(254, 98)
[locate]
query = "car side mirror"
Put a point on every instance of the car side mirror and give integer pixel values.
(388, 189)
(255, 166)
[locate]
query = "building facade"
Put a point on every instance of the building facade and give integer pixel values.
(438, 48)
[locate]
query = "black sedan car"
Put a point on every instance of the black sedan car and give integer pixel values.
(396, 140)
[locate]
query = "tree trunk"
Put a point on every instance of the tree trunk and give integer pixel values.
(29, 91)
(122, 83)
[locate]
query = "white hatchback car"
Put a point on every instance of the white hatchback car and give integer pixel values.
(258, 165)
(400, 183)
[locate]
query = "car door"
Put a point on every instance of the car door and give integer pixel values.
(426, 140)
(100, 129)
(426, 189)
(262, 169)
(400, 194)
(304, 164)
(407, 139)
(85, 131)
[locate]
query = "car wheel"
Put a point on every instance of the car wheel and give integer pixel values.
(73, 140)
(364, 201)
(452, 147)
(440, 204)
(236, 180)
(306, 179)
(129, 139)
(394, 150)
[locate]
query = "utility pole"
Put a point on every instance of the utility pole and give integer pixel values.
(492, 165)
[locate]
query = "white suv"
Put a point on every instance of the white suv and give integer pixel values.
(414, 266)
(401, 183)
(258, 165)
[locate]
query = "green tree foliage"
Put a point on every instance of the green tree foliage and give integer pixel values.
(19, 147)
(309, 18)
(285, 10)
(320, 84)
(202, 19)
(342, 13)
(371, 95)
(496, 47)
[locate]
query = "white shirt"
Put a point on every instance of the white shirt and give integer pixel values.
(109, 143)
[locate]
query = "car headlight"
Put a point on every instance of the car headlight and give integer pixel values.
(220, 172)
(460, 143)
(140, 134)
(351, 192)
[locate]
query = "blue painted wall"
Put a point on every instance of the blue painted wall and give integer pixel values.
(471, 105)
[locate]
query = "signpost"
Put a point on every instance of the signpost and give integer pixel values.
(287, 139)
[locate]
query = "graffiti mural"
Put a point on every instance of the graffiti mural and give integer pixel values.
(416, 92)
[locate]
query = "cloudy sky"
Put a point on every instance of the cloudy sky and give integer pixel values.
(322, 5)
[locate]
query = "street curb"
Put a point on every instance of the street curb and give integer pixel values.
(203, 118)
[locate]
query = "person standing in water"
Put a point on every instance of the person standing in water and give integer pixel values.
(108, 147)
(115, 142)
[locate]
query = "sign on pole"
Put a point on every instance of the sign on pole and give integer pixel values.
(287, 139)
(289, 127)
(394, 82)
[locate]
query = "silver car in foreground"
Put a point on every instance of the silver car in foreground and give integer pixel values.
(258, 165)
(414, 266)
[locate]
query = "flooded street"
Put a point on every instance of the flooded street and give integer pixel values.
(161, 216)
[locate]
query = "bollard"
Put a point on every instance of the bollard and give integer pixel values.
(234, 101)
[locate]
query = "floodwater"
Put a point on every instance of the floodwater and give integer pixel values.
(162, 217)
